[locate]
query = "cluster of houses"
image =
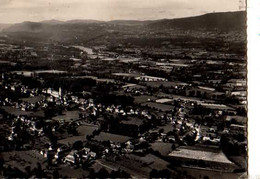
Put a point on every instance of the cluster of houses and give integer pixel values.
(71, 128)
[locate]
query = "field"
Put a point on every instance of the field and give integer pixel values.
(158, 106)
(86, 130)
(143, 99)
(21, 159)
(104, 136)
(33, 99)
(67, 116)
(18, 112)
(15, 111)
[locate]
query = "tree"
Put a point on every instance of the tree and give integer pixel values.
(38, 172)
(124, 174)
(173, 147)
(154, 173)
(103, 173)
(77, 145)
(55, 174)
(28, 171)
(119, 174)
(50, 157)
(165, 173)
(161, 131)
(241, 111)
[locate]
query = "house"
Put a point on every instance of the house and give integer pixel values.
(53, 92)
(132, 126)
(238, 119)
(236, 83)
(150, 78)
(79, 157)
(238, 128)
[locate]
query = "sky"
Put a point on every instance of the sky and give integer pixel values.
(14, 11)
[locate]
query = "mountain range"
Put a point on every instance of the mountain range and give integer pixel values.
(222, 21)
(92, 30)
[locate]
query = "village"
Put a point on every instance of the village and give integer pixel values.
(75, 111)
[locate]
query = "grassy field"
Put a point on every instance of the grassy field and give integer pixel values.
(15, 111)
(143, 99)
(67, 116)
(19, 112)
(86, 130)
(158, 106)
(21, 159)
(33, 99)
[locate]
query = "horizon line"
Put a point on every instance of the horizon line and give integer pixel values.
(105, 21)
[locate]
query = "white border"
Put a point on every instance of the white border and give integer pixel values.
(253, 14)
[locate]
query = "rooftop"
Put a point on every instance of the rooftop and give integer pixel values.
(104, 136)
(192, 153)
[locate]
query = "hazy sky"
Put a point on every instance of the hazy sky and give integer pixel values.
(12, 11)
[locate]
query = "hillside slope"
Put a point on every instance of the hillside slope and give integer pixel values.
(224, 21)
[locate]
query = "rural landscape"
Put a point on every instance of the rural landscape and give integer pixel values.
(160, 98)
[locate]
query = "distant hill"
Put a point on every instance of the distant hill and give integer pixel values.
(85, 21)
(127, 22)
(27, 26)
(4, 26)
(92, 31)
(223, 21)
(49, 26)
(53, 21)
